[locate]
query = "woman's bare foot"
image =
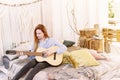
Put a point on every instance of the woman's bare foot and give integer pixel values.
(99, 56)
(106, 58)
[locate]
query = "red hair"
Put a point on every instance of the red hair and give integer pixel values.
(44, 30)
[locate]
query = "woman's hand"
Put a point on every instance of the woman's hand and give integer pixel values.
(22, 56)
(21, 53)
(47, 53)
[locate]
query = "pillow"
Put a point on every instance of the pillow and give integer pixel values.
(66, 58)
(68, 43)
(82, 58)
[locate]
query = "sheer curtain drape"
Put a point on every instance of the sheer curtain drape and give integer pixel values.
(58, 15)
(17, 23)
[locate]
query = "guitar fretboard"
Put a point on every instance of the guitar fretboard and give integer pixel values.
(30, 53)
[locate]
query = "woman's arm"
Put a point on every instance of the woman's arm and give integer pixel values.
(53, 42)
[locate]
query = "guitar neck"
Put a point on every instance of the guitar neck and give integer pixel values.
(38, 53)
(30, 53)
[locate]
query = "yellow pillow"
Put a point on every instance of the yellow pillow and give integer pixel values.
(82, 58)
(66, 55)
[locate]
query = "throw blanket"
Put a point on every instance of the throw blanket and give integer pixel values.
(89, 73)
(67, 71)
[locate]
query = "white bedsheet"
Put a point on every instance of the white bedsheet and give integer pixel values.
(104, 70)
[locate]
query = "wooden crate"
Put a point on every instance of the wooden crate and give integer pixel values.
(88, 33)
(91, 43)
(118, 35)
(109, 33)
(107, 46)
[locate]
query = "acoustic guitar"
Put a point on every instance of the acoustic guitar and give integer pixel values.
(54, 59)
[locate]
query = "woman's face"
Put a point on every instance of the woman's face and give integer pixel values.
(39, 34)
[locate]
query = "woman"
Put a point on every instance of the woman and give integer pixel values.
(41, 40)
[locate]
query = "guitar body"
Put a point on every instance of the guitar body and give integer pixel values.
(51, 59)
(54, 59)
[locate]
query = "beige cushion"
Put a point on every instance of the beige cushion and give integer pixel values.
(66, 60)
(82, 58)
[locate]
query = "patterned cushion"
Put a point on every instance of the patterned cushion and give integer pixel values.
(82, 58)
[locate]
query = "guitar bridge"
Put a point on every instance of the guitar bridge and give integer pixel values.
(54, 55)
(43, 54)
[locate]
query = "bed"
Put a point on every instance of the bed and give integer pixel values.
(107, 70)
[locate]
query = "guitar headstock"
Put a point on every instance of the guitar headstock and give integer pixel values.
(11, 51)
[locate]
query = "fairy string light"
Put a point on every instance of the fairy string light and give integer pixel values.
(18, 5)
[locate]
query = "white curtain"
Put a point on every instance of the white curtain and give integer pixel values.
(1, 44)
(87, 13)
(17, 23)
